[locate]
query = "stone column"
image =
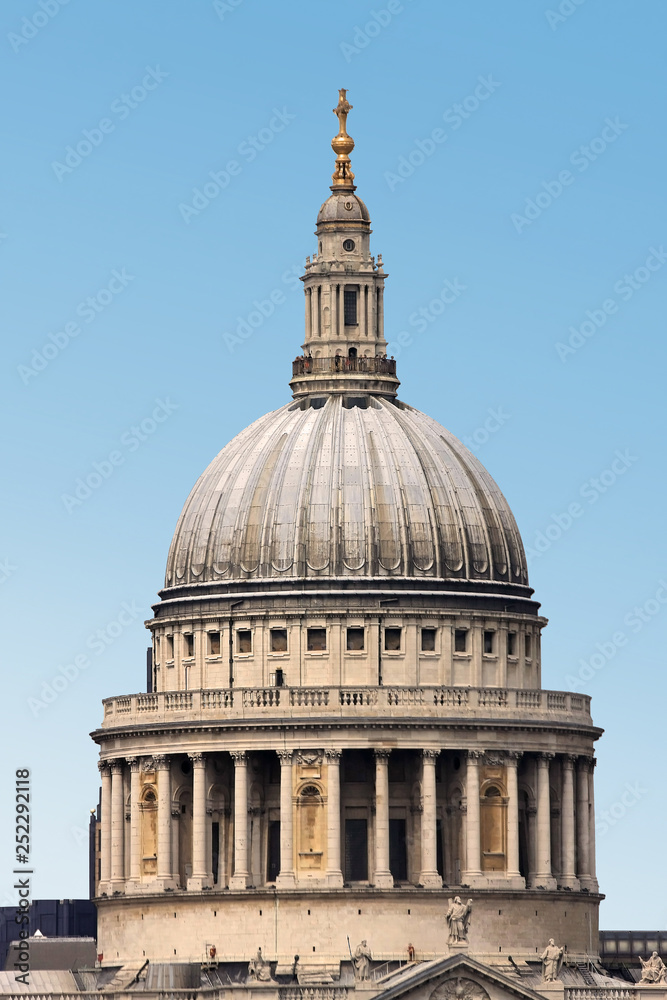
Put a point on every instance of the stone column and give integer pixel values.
(239, 879)
(200, 878)
(117, 826)
(568, 877)
(164, 872)
(334, 871)
(429, 876)
(333, 313)
(380, 316)
(473, 873)
(512, 764)
(287, 877)
(105, 823)
(543, 876)
(316, 305)
(309, 321)
(363, 317)
(583, 847)
(135, 821)
(591, 826)
(382, 876)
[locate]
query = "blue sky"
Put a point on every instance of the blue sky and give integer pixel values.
(540, 194)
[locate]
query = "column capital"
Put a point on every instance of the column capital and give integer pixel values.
(568, 760)
(380, 753)
(134, 763)
(474, 756)
(240, 757)
(104, 767)
(545, 758)
(429, 754)
(513, 756)
(116, 766)
(585, 763)
(285, 757)
(162, 761)
(333, 756)
(197, 759)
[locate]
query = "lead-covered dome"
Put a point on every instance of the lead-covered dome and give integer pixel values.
(341, 486)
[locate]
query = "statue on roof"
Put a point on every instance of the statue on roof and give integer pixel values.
(552, 960)
(653, 970)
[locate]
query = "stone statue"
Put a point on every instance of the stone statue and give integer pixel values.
(362, 961)
(653, 970)
(458, 919)
(552, 960)
(259, 970)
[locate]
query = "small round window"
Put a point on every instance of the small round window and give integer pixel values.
(348, 245)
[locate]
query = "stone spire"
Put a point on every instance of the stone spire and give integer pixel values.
(344, 347)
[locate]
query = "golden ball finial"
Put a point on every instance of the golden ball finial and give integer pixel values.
(342, 145)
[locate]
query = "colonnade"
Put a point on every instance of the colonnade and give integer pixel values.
(574, 868)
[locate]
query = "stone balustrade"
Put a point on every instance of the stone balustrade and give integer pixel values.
(426, 702)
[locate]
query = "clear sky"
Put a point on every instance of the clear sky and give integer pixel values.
(516, 151)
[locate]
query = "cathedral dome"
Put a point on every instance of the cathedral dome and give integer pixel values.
(345, 207)
(344, 486)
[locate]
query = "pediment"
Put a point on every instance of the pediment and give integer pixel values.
(456, 978)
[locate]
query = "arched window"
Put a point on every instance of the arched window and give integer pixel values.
(494, 829)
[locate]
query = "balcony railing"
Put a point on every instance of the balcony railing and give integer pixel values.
(340, 365)
(319, 703)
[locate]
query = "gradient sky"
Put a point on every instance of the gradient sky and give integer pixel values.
(543, 199)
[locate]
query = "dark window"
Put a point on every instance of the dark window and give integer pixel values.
(355, 766)
(428, 640)
(273, 851)
(511, 643)
(350, 307)
(244, 641)
(529, 646)
(492, 792)
(460, 640)
(170, 647)
(488, 642)
(215, 849)
(280, 678)
(278, 640)
(396, 766)
(317, 640)
(189, 641)
(214, 644)
(355, 638)
(440, 851)
(356, 850)
(392, 639)
(398, 855)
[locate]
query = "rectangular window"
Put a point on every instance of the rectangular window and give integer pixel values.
(170, 647)
(392, 639)
(188, 644)
(244, 640)
(529, 646)
(279, 678)
(317, 640)
(488, 641)
(398, 854)
(214, 644)
(511, 643)
(460, 640)
(350, 307)
(356, 850)
(428, 640)
(278, 640)
(215, 850)
(355, 639)
(273, 851)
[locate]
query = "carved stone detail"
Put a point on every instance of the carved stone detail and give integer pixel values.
(333, 756)
(310, 758)
(430, 754)
(285, 757)
(239, 757)
(459, 989)
(380, 753)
